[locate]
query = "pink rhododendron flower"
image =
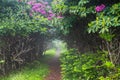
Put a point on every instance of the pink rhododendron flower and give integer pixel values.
(19, 0)
(49, 18)
(31, 14)
(100, 8)
(50, 11)
(51, 15)
(59, 17)
(37, 4)
(35, 8)
(46, 3)
(43, 12)
(42, 8)
(31, 2)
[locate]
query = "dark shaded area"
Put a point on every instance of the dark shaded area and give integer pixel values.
(79, 38)
(17, 51)
(18, 48)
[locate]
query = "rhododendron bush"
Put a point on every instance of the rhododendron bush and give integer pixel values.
(31, 16)
(100, 20)
(25, 26)
(42, 8)
(101, 17)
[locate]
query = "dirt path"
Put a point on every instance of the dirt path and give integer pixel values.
(54, 65)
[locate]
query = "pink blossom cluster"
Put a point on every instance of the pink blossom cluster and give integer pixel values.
(19, 0)
(100, 8)
(31, 2)
(42, 8)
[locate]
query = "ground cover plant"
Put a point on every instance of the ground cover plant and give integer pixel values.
(88, 66)
(37, 70)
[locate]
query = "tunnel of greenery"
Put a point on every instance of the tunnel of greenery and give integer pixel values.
(88, 28)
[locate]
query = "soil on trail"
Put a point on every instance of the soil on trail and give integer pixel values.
(54, 66)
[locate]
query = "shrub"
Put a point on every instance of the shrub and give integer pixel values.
(21, 36)
(101, 18)
(88, 66)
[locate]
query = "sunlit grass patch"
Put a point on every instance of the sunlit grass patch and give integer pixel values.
(50, 52)
(33, 71)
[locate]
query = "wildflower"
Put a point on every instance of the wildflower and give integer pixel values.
(100, 8)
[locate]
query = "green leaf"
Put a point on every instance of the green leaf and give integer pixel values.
(109, 64)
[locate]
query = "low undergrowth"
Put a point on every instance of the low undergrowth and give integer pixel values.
(37, 70)
(88, 66)
(50, 52)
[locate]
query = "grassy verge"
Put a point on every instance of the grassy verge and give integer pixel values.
(35, 71)
(50, 52)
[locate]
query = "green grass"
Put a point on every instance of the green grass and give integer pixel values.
(34, 71)
(50, 52)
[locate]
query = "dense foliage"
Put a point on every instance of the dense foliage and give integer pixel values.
(87, 25)
(92, 25)
(88, 66)
(99, 17)
(23, 32)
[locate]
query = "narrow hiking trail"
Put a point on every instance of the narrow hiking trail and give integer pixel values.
(54, 66)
